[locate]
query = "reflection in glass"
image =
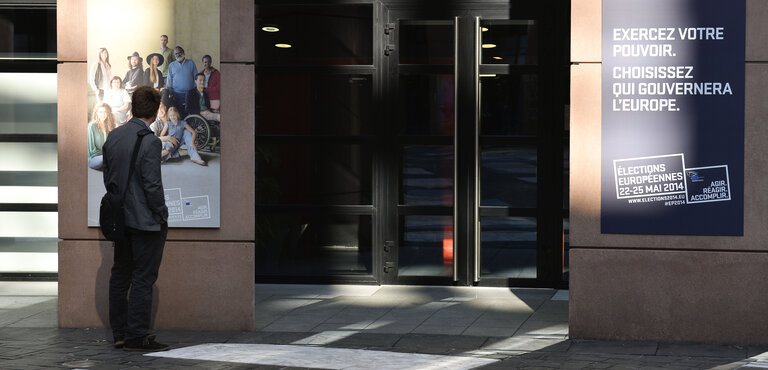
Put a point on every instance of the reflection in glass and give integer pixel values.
(566, 247)
(566, 177)
(29, 225)
(427, 104)
(29, 255)
(28, 33)
(426, 42)
(510, 105)
(516, 42)
(29, 194)
(318, 35)
(313, 174)
(508, 247)
(28, 103)
(313, 245)
(28, 157)
(426, 247)
(313, 104)
(427, 175)
(508, 176)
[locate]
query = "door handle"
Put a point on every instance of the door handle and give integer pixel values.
(476, 125)
(455, 143)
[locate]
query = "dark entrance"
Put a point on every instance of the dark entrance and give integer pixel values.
(412, 142)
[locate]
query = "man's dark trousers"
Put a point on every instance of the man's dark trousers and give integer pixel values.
(137, 261)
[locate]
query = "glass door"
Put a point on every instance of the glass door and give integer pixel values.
(477, 169)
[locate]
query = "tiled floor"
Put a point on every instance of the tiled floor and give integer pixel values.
(356, 327)
(413, 310)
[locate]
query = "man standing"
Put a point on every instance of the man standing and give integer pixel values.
(181, 78)
(167, 54)
(138, 255)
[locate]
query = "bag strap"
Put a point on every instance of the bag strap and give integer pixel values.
(136, 146)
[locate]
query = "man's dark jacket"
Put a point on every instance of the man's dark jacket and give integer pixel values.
(145, 200)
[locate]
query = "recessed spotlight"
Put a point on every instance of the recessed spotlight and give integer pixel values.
(484, 29)
(488, 46)
(270, 29)
(283, 46)
(498, 58)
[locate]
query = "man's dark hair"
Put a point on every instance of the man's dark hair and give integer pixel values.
(166, 36)
(145, 101)
(199, 74)
(207, 56)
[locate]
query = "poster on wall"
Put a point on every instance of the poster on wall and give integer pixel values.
(673, 117)
(171, 46)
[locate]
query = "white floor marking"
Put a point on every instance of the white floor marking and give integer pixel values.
(321, 357)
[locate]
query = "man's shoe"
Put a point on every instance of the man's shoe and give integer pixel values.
(120, 341)
(199, 161)
(147, 344)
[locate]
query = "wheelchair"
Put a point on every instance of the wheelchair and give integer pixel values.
(208, 133)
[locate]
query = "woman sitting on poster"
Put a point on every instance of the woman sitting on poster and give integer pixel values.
(152, 75)
(100, 74)
(135, 75)
(119, 100)
(173, 133)
(102, 122)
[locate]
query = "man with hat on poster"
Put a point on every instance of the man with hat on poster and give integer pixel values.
(135, 75)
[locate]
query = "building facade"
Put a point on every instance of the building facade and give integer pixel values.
(419, 142)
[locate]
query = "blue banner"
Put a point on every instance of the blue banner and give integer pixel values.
(673, 117)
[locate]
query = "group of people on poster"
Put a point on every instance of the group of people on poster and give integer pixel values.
(184, 90)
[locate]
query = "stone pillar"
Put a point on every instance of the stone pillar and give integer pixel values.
(665, 287)
(206, 278)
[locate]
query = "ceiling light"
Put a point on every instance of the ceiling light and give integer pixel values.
(283, 46)
(497, 58)
(270, 28)
(485, 29)
(488, 46)
(487, 75)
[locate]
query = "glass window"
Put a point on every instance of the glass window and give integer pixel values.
(426, 42)
(426, 248)
(566, 176)
(566, 247)
(328, 174)
(28, 157)
(427, 104)
(427, 175)
(508, 247)
(313, 104)
(29, 255)
(300, 244)
(510, 105)
(29, 224)
(508, 176)
(314, 35)
(509, 42)
(28, 33)
(28, 103)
